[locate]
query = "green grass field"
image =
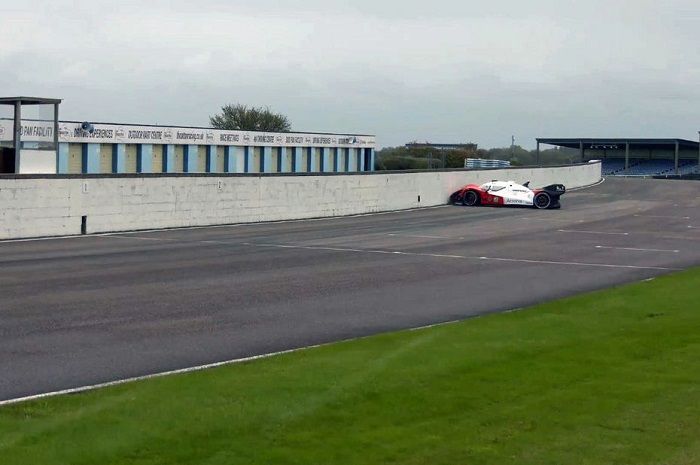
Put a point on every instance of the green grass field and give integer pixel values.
(604, 378)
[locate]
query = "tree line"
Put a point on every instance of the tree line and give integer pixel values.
(421, 158)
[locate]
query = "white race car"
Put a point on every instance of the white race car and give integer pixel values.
(504, 193)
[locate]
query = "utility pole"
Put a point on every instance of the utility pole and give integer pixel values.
(512, 147)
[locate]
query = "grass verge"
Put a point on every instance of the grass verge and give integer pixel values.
(602, 378)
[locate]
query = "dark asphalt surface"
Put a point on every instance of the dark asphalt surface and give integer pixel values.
(93, 309)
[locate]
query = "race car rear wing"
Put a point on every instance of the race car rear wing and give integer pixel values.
(555, 189)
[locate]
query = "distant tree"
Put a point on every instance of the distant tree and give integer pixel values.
(244, 118)
(403, 158)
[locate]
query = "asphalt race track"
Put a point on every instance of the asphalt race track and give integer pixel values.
(92, 309)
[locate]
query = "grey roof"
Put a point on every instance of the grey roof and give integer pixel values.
(574, 143)
(29, 100)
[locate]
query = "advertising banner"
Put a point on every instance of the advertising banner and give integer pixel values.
(42, 131)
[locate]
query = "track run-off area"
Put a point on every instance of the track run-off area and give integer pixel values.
(94, 309)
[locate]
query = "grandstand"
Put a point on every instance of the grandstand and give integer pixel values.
(636, 157)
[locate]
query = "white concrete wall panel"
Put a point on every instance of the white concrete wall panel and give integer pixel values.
(50, 206)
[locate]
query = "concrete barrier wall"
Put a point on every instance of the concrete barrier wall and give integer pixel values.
(51, 205)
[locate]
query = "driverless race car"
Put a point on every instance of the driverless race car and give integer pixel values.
(499, 193)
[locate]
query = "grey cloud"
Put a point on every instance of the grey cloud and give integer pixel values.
(444, 70)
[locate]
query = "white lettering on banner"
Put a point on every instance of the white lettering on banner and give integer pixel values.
(145, 135)
(43, 131)
(195, 136)
(32, 131)
(223, 137)
(98, 133)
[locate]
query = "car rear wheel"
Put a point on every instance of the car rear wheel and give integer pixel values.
(470, 199)
(543, 200)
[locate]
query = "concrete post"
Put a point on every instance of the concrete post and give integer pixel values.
(676, 157)
(55, 126)
(17, 141)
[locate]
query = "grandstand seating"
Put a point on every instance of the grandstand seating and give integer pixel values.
(612, 165)
(640, 167)
(649, 168)
(688, 167)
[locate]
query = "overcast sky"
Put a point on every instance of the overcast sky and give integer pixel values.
(448, 71)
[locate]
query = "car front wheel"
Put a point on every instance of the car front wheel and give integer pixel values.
(470, 199)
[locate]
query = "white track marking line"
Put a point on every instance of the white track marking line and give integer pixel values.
(418, 254)
(93, 387)
(223, 363)
(419, 236)
(414, 254)
(593, 232)
(636, 249)
(574, 189)
(664, 216)
(600, 265)
(36, 239)
(139, 238)
(462, 257)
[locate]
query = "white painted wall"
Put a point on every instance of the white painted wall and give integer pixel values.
(49, 206)
(37, 161)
